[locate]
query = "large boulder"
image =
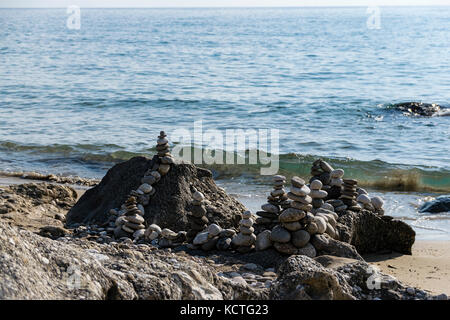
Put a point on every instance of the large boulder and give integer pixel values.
(168, 207)
(441, 204)
(370, 233)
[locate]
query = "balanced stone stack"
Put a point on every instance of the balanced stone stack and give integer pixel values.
(214, 237)
(197, 216)
(321, 170)
(317, 194)
(291, 236)
(133, 221)
(336, 184)
(276, 201)
(164, 155)
(374, 204)
(245, 239)
(349, 194)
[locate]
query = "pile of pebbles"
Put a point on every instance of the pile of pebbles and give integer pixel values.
(244, 241)
(214, 237)
(197, 215)
(277, 200)
(297, 224)
(132, 223)
(374, 204)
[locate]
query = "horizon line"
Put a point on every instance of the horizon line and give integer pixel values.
(226, 7)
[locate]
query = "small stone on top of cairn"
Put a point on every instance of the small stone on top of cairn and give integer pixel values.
(276, 200)
(245, 239)
(132, 223)
(197, 216)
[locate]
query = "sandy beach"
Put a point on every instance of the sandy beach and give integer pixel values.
(427, 268)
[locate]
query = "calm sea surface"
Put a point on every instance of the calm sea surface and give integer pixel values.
(76, 101)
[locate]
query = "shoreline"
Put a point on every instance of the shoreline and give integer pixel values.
(428, 268)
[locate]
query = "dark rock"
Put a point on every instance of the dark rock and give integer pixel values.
(369, 233)
(325, 245)
(53, 232)
(441, 204)
(419, 108)
(171, 202)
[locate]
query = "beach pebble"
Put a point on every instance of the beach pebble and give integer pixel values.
(270, 208)
(146, 188)
(308, 250)
(168, 234)
(162, 141)
(201, 238)
(300, 238)
(297, 182)
(279, 234)
(316, 185)
(363, 198)
(291, 215)
(318, 194)
(246, 215)
(213, 230)
(138, 234)
(227, 233)
(301, 192)
(377, 202)
(198, 196)
(325, 166)
(327, 206)
(244, 240)
(246, 222)
(411, 291)
(263, 241)
(336, 174)
(321, 225)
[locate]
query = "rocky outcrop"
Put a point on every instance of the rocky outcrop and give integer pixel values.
(170, 204)
(441, 204)
(419, 108)
(370, 233)
(33, 267)
(325, 245)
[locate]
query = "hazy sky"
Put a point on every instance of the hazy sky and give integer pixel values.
(212, 3)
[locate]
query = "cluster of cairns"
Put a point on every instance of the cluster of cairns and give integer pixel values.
(197, 215)
(245, 239)
(276, 201)
(298, 223)
(131, 224)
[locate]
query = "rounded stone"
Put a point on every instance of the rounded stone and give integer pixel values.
(291, 215)
(127, 229)
(227, 233)
(120, 221)
(300, 238)
(377, 202)
(246, 223)
(168, 234)
(297, 182)
(164, 168)
(337, 173)
(223, 244)
(246, 231)
(312, 228)
(301, 206)
(316, 185)
(361, 191)
(138, 219)
(279, 178)
(243, 240)
(280, 234)
(363, 198)
(151, 235)
(138, 234)
(134, 226)
(246, 215)
(263, 241)
(198, 196)
(213, 230)
(277, 193)
(336, 182)
(286, 248)
(292, 226)
(318, 194)
(327, 206)
(198, 211)
(302, 199)
(308, 250)
(167, 160)
(270, 208)
(146, 188)
(156, 174)
(301, 192)
(321, 225)
(161, 141)
(154, 227)
(325, 166)
(201, 238)
(141, 209)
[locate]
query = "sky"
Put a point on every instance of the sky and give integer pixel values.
(210, 3)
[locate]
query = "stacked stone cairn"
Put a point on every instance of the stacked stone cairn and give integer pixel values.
(349, 194)
(197, 216)
(321, 170)
(317, 194)
(166, 159)
(245, 239)
(276, 201)
(336, 183)
(132, 223)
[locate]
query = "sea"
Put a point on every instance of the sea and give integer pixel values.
(76, 101)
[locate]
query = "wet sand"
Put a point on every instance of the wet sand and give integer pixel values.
(428, 268)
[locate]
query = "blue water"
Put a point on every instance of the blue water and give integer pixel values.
(76, 101)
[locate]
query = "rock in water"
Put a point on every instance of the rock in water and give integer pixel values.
(167, 207)
(419, 108)
(441, 204)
